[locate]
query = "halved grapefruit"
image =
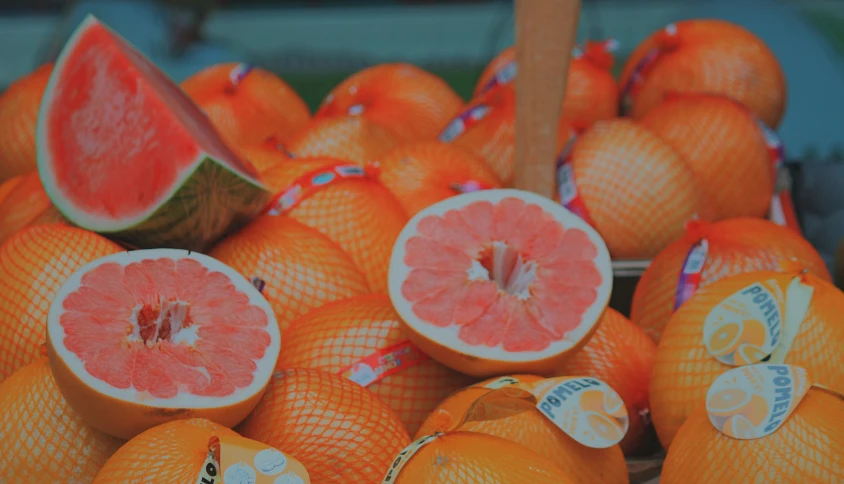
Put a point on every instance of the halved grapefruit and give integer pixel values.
(499, 281)
(123, 151)
(140, 338)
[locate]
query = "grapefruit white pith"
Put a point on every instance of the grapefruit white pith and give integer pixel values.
(139, 338)
(499, 281)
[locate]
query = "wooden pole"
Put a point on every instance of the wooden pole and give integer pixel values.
(545, 36)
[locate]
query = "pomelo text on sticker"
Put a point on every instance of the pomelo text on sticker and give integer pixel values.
(765, 301)
(784, 391)
(554, 399)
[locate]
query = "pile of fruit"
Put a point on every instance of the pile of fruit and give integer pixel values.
(207, 283)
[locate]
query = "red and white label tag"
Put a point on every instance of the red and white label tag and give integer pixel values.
(239, 73)
(309, 183)
(782, 210)
(566, 186)
(691, 272)
(505, 75)
(463, 122)
(383, 363)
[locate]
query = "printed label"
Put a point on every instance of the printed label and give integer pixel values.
(745, 327)
(210, 473)
(309, 183)
(798, 297)
(463, 122)
(754, 401)
(504, 75)
(691, 272)
(383, 363)
(640, 72)
(238, 73)
(586, 409)
(245, 461)
(501, 382)
(566, 186)
(404, 456)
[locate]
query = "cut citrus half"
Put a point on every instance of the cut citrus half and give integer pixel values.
(604, 426)
(499, 281)
(726, 339)
(140, 338)
(747, 354)
(738, 426)
(728, 402)
(754, 332)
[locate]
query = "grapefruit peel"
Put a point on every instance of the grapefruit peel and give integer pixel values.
(499, 281)
(753, 401)
(240, 460)
(758, 322)
(140, 338)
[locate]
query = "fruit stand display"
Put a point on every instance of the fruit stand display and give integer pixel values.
(569, 278)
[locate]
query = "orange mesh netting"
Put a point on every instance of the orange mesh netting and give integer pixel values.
(336, 336)
(350, 138)
(41, 438)
(638, 191)
(19, 107)
(246, 104)
(359, 214)
(170, 453)
(338, 430)
(622, 356)
(295, 267)
(734, 246)
(27, 204)
(473, 458)
(8, 186)
(716, 135)
(531, 430)
(422, 174)
(711, 56)
(684, 368)
(34, 263)
(410, 101)
(807, 448)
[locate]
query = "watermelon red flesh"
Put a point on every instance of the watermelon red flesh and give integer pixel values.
(123, 150)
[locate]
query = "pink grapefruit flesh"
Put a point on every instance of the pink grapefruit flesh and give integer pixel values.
(158, 329)
(499, 281)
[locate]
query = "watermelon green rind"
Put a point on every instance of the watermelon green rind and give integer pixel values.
(207, 200)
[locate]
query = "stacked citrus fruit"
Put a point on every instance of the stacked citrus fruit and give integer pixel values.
(373, 303)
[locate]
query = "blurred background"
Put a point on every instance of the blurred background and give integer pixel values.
(314, 44)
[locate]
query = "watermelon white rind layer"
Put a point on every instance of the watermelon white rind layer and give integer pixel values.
(208, 197)
(56, 332)
(482, 360)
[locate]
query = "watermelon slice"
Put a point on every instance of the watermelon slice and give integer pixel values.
(124, 152)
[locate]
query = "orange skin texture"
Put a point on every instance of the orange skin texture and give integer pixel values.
(302, 268)
(26, 204)
(471, 458)
(341, 432)
(265, 155)
(424, 173)
(406, 99)
(261, 106)
(43, 257)
(8, 186)
(807, 448)
(351, 138)
(621, 355)
(591, 90)
(60, 447)
(19, 106)
(359, 214)
(531, 431)
(715, 56)
(337, 335)
(684, 369)
(173, 453)
(493, 138)
(717, 135)
(735, 246)
(620, 167)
